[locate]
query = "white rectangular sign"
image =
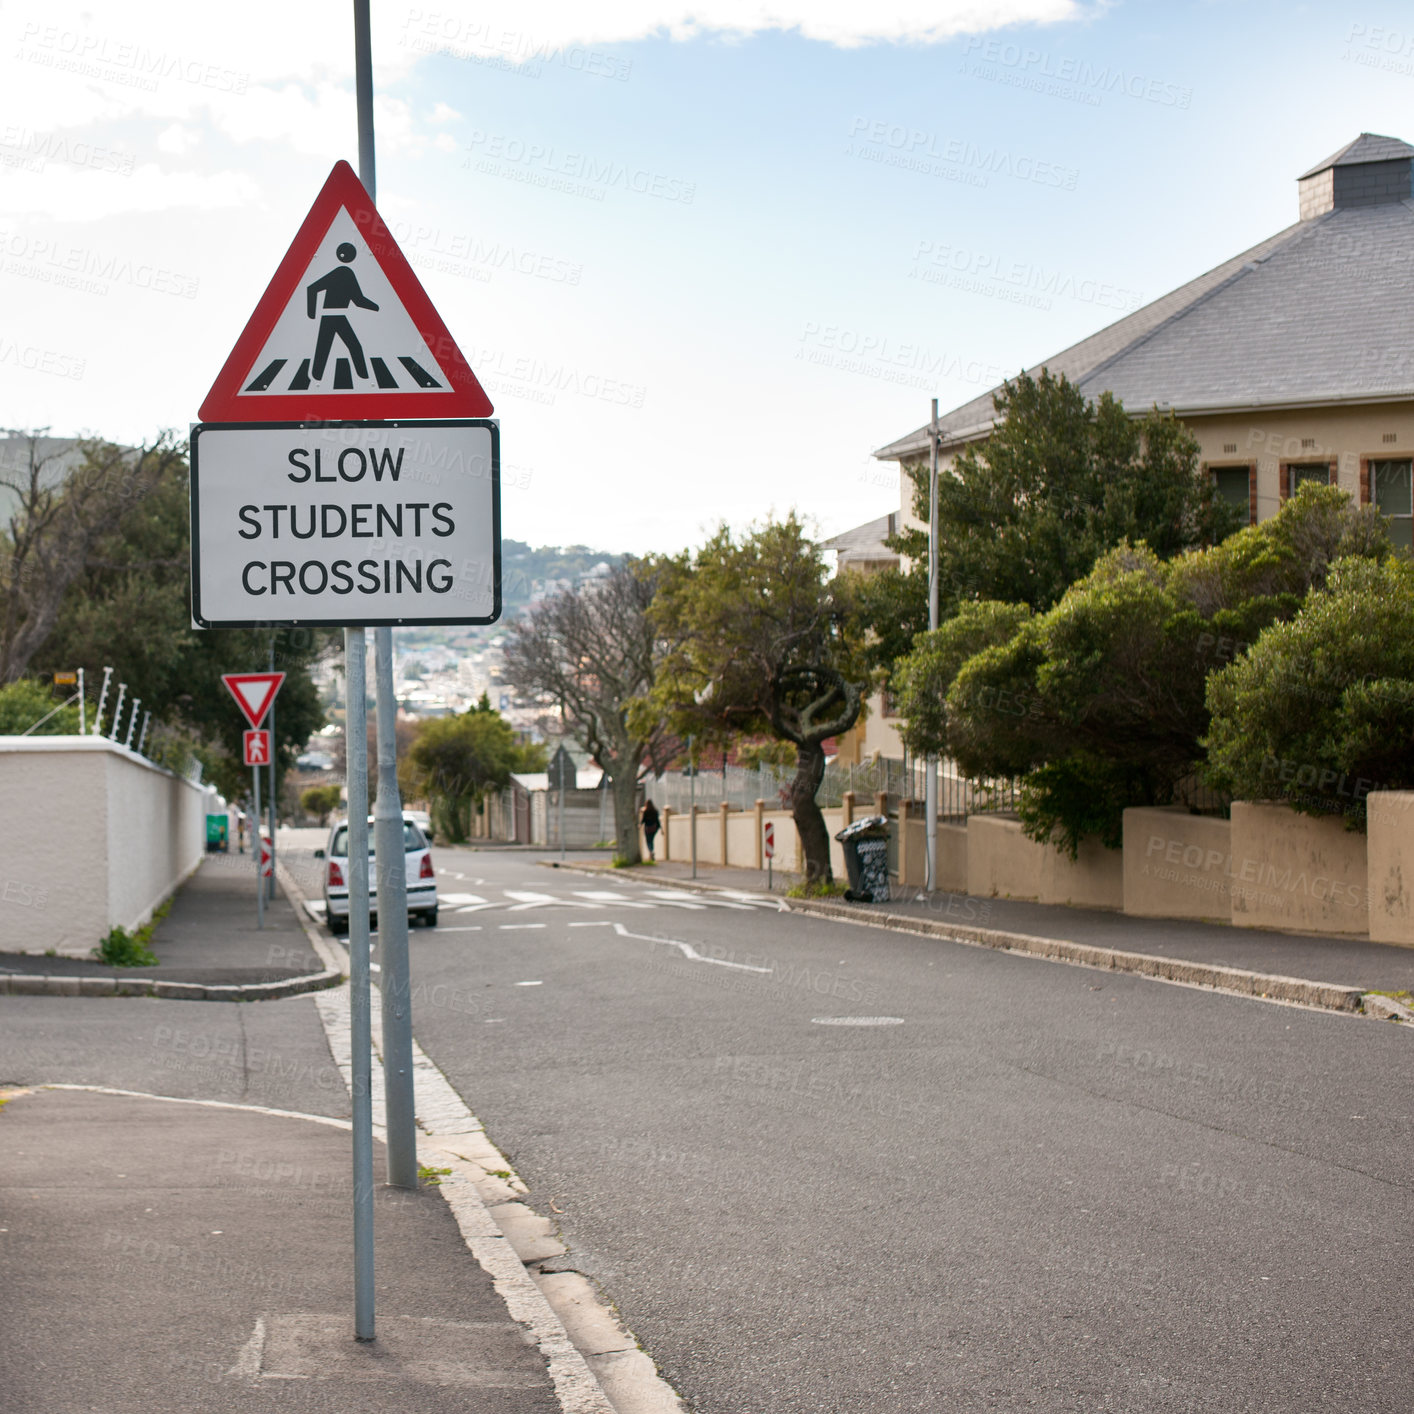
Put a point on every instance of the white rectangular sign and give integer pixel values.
(331, 523)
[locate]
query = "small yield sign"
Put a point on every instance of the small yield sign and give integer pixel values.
(254, 694)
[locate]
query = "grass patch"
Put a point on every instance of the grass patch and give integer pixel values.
(621, 863)
(1406, 997)
(430, 1176)
(123, 949)
(819, 889)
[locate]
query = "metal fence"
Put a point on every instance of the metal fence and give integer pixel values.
(895, 779)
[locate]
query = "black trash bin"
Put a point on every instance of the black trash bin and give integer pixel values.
(866, 859)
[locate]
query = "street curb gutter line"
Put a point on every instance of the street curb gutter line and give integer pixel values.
(25, 985)
(1235, 981)
(1328, 996)
(566, 1319)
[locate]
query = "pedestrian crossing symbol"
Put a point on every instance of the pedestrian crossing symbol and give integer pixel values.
(345, 330)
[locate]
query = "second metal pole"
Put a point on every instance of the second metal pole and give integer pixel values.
(360, 971)
(259, 875)
(394, 980)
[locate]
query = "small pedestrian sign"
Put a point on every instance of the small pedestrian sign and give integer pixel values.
(257, 748)
(345, 330)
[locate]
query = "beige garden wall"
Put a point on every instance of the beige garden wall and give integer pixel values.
(742, 832)
(1390, 866)
(92, 836)
(1296, 872)
(1003, 863)
(1176, 865)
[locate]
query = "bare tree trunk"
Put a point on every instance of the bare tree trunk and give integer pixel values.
(809, 821)
(625, 786)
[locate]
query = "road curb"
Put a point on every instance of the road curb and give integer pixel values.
(1236, 981)
(22, 985)
(1328, 996)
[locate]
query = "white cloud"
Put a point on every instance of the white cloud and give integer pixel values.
(79, 193)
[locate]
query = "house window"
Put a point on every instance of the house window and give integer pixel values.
(1233, 486)
(1393, 498)
(1319, 472)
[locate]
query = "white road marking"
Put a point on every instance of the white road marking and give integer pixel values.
(687, 950)
(604, 896)
(527, 898)
(530, 984)
(516, 927)
(460, 898)
(462, 928)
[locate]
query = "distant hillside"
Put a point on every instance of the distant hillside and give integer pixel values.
(526, 571)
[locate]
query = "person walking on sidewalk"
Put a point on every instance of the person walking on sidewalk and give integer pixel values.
(651, 825)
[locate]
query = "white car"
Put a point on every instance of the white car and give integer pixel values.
(422, 820)
(421, 877)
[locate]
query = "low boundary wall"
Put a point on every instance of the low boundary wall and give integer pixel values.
(92, 836)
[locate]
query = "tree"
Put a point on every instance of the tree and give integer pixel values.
(1099, 703)
(129, 606)
(591, 652)
(1060, 480)
(757, 645)
(455, 760)
(25, 702)
(321, 800)
(1320, 711)
(58, 517)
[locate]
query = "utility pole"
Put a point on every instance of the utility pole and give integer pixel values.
(395, 982)
(692, 799)
(930, 786)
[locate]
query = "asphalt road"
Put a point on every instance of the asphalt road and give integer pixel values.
(1038, 1187)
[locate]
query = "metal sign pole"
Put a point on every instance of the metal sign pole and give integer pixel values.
(81, 704)
(270, 886)
(692, 800)
(259, 878)
(930, 786)
(360, 972)
(395, 979)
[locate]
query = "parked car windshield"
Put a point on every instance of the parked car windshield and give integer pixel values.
(412, 839)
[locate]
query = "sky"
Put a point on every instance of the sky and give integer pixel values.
(704, 261)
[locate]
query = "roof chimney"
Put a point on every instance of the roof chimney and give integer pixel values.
(1371, 171)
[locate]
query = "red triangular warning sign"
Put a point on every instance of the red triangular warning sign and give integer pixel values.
(254, 692)
(345, 330)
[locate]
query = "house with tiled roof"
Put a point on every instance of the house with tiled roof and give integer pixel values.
(1293, 360)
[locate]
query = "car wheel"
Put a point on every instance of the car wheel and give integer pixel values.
(429, 919)
(338, 926)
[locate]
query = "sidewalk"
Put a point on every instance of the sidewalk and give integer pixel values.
(209, 937)
(161, 1258)
(1349, 962)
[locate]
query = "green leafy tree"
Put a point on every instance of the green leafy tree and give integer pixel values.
(1059, 480)
(25, 702)
(1100, 703)
(455, 760)
(321, 801)
(129, 606)
(759, 644)
(1320, 711)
